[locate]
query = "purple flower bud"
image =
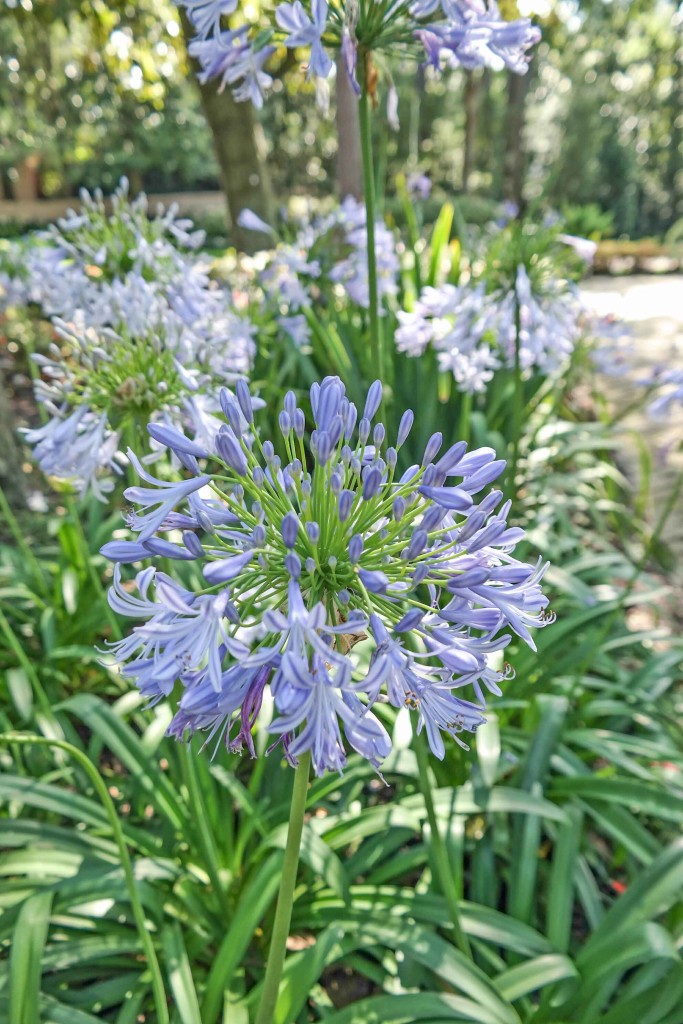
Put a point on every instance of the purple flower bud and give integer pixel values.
(124, 551)
(231, 411)
(323, 447)
(188, 461)
(230, 452)
(244, 399)
(378, 435)
(450, 459)
(335, 483)
(191, 542)
(418, 542)
(329, 402)
(350, 420)
(225, 569)
(268, 451)
(410, 472)
(290, 529)
(392, 458)
(472, 578)
(431, 476)
(373, 401)
(293, 564)
(432, 518)
(374, 580)
(355, 548)
(310, 564)
(299, 423)
(313, 531)
(258, 477)
(258, 536)
(420, 574)
(398, 508)
(410, 621)
(157, 546)
(345, 502)
(363, 431)
(488, 503)
(432, 447)
(404, 427)
(371, 483)
(290, 404)
(285, 423)
(448, 497)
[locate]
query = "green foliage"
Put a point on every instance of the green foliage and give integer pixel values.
(588, 221)
(561, 832)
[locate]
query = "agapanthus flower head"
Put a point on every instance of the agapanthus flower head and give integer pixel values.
(327, 251)
(78, 259)
(441, 33)
(99, 384)
(520, 298)
(121, 234)
(332, 579)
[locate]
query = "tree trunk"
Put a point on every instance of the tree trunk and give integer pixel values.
(674, 170)
(515, 154)
(349, 160)
(242, 167)
(471, 97)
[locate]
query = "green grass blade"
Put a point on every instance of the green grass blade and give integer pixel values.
(25, 963)
(533, 975)
(179, 973)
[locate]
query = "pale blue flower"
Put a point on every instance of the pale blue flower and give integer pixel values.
(306, 557)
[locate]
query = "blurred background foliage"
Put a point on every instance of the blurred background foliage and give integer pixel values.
(90, 91)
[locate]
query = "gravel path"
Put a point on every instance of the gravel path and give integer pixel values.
(653, 308)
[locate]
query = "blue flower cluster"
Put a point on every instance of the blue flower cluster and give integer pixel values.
(141, 332)
(444, 33)
(333, 582)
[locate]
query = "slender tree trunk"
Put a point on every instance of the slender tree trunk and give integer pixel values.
(243, 174)
(515, 154)
(349, 162)
(674, 171)
(471, 97)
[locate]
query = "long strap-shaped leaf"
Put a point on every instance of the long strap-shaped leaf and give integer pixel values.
(112, 817)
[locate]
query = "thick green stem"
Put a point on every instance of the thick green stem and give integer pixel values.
(283, 911)
(158, 990)
(370, 214)
(517, 406)
(443, 866)
(465, 417)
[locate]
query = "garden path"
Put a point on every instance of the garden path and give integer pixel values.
(653, 308)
